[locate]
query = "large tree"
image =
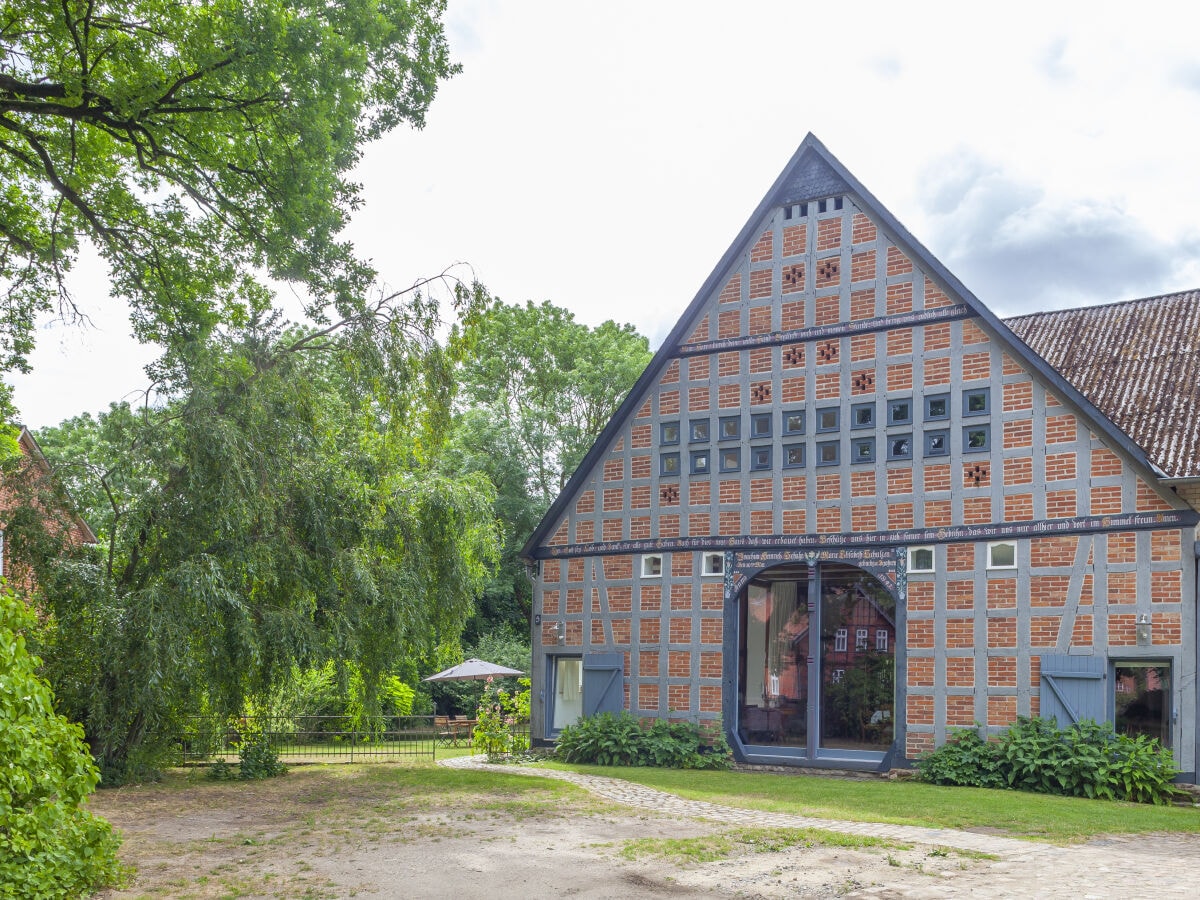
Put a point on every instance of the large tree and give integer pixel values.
(552, 381)
(537, 388)
(197, 145)
(284, 507)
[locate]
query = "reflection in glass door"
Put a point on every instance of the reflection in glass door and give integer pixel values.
(774, 671)
(858, 646)
(817, 660)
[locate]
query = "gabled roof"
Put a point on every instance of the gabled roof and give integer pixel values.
(33, 450)
(814, 173)
(1139, 363)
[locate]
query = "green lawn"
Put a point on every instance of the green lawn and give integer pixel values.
(1015, 813)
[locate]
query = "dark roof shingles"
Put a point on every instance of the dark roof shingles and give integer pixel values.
(1138, 362)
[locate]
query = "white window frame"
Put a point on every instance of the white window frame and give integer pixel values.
(881, 640)
(860, 638)
(649, 561)
(991, 548)
(913, 568)
(712, 564)
(840, 638)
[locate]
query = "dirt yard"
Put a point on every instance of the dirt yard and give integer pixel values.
(392, 831)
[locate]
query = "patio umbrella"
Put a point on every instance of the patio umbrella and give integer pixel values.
(473, 670)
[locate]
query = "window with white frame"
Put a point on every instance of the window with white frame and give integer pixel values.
(881, 640)
(839, 640)
(1002, 555)
(652, 565)
(713, 564)
(920, 560)
(860, 639)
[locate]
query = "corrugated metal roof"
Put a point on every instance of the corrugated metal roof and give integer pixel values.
(1138, 362)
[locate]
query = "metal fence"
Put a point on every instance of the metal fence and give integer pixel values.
(300, 739)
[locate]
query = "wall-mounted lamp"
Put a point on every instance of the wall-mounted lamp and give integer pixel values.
(1144, 635)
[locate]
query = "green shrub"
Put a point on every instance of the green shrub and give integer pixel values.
(502, 720)
(50, 846)
(620, 739)
(1086, 759)
(258, 759)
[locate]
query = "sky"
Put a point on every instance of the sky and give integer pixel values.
(603, 155)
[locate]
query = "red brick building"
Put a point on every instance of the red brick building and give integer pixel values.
(846, 508)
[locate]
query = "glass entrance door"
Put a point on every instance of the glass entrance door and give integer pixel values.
(858, 666)
(817, 661)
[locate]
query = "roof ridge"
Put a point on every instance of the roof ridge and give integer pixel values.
(1100, 306)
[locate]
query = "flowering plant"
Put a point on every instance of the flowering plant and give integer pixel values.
(502, 720)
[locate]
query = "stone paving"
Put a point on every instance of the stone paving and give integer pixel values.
(631, 794)
(1123, 866)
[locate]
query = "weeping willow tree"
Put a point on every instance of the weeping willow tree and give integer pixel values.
(281, 506)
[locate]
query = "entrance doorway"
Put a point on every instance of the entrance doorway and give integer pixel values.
(816, 659)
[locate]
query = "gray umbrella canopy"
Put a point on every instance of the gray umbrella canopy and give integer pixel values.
(473, 670)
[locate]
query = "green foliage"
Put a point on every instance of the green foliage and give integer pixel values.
(621, 739)
(258, 759)
(197, 146)
(1086, 759)
(50, 845)
(463, 697)
(502, 720)
(536, 391)
(282, 508)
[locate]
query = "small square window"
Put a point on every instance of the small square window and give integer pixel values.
(1002, 555)
(731, 428)
(976, 438)
(793, 456)
(827, 419)
(900, 412)
(977, 402)
(899, 446)
(937, 407)
(828, 453)
(793, 422)
(668, 433)
(760, 458)
(937, 443)
(920, 559)
(698, 430)
(862, 450)
(668, 464)
(652, 566)
(700, 462)
(731, 459)
(862, 415)
(713, 564)
(760, 425)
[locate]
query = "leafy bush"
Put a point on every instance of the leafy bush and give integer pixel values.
(327, 692)
(1086, 759)
(50, 846)
(621, 739)
(501, 722)
(257, 760)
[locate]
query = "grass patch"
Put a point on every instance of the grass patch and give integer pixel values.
(1013, 813)
(708, 848)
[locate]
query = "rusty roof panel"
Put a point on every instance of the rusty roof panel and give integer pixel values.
(1138, 362)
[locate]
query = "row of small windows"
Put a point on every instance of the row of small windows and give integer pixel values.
(710, 564)
(1000, 555)
(975, 439)
(828, 419)
(802, 210)
(861, 635)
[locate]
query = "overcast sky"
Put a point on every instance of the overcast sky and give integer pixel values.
(603, 155)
